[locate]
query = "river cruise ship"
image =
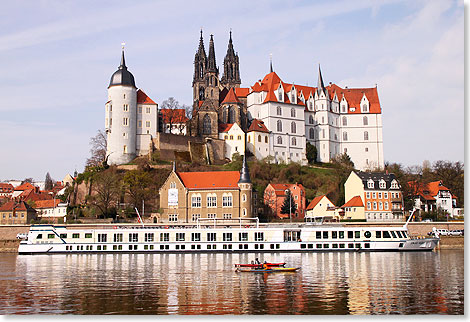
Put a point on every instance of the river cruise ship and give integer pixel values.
(254, 237)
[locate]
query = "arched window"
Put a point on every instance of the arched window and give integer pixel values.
(279, 111)
(279, 126)
(294, 141)
(364, 108)
(312, 133)
(201, 93)
(265, 139)
(292, 127)
(292, 112)
(310, 119)
(206, 125)
(366, 135)
(345, 121)
(231, 114)
(365, 120)
(259, 138)
(345, 136)
(279, 140)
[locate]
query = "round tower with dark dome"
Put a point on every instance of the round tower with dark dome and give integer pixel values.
(121, 116)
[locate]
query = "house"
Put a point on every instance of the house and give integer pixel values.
(23, 187)
(51, 210)
(275, 194)
(174, 120)
(433, 196)
(353, 209)
(380, 194)
(320, 207)
(6, 190)
(16, 213)
(234, 138)
(259, 139)
(189, 196)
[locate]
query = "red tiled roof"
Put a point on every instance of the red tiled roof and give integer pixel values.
(242, 92)
(210, 179)
(142, 98)
(354, 96)
(177, 115)
(24, 186)
(225, 127)
(31, 194)
(426, 197)
(6, 187)
(354, 202)
(10, 205)
(46, 203)
(258, 126)
(314, 202)
(231, 97)
(431, 188)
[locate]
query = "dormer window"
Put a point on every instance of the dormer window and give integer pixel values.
(382, 184)
(370, 184)
(394, 185)
(365, 108)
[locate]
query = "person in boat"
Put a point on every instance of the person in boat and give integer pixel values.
(265, 266)
(257, 261)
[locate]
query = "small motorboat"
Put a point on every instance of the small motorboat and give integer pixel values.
(267, 270)
(261, 265)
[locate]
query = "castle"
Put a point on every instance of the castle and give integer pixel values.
(273, 118)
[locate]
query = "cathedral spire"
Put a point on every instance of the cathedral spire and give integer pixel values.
(200, 61)
(231, 77)
(211, 65)
(270, 63)
(320, 85)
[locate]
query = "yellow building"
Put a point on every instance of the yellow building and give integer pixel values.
(320, 207)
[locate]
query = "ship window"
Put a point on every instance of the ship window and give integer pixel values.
(211, 237)
(310, 245)
(301, 245)
(133, 238)
(325, 235)
(50, 235)
(319, 245)
(378, 234)
(180, 237)
(399, 234)
(350, 245)
(164, 236)
(149, 237)
(195, 236)
(259, 236)
(366, 245)
(227, 236)
(335, 245)
(393, 234)
(334, 234)
(243, 236)
(350, 234)
(341, 234)
(118, 238)
(404, 234)
(341, 245)
(357, 234)
(102, 238)
(326, 246)
(358, 245)
(63, 236)
(387, 234)
(367, 234)
(75, 235)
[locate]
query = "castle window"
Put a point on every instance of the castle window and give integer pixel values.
(366, 149)
(110, 108)
(140, 123)
(312, 133)
(212, 93)
(231, 137)
(278, 110)
(206, 125)
(293, 127)
(265, 139)
(279, 126)
(310, 119)
(110, 122)
(139, 109)
(345, 121)
(244, 197)
(323, 133)
(126, 107)
(345, 136)
(279, 140)
(124, 96)
(364, 108)
(292, 111)
(323, 119)
(147, 109)
(365, 120)
(226, 137)
(147, 124)
(294, 141)
(125, 121)
(239, 137)
(125, 149)
(366, 135)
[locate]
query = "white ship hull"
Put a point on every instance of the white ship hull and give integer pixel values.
(47, 239)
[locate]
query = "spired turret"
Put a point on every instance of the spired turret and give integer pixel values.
(246, 190)
(121, 116)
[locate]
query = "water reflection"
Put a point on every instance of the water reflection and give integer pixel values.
(328, 283)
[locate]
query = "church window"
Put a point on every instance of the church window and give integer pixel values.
(310, 119)
(125, 121)
(312, 133)
(139, 109)
(323, 133)
(231, 114)
(212, 93)
(366, 135)
(201, 93)
(293, 127)
(206, 125)
(292, 112)
(294, 141)
(279, 111)
(365, 120)
(239, 137)
(323, 119)
(126, 107)
(345, 121)
(265, 139)
(279, 140)
(147, 124)
(279, 126)
(345, 136)
(259, 138)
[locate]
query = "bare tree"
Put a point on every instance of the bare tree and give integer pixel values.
(48, 183)
(98, 149)
(107, 188)
(173, 113)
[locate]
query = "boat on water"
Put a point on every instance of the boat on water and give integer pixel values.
(267, 270)
(254, 237)
(254, 265)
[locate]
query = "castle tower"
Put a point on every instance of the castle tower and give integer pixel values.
(200, 62)
(246, 189)
(121, 116)
(322, 108)
(231, 77)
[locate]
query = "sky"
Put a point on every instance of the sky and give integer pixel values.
(57, 58)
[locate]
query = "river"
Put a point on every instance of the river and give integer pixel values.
(327, 283)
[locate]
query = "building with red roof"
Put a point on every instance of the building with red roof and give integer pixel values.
(186, 197)
(432, 196)
(51, 210)
(320, 208)
(174, 120)
(16, 212)
(275, 194)
(234, 138)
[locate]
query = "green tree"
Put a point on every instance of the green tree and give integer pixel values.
(107, 188)
(288, 206)
(137, 185)
(311, 153)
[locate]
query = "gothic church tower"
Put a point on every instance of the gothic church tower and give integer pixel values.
(231, 77)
